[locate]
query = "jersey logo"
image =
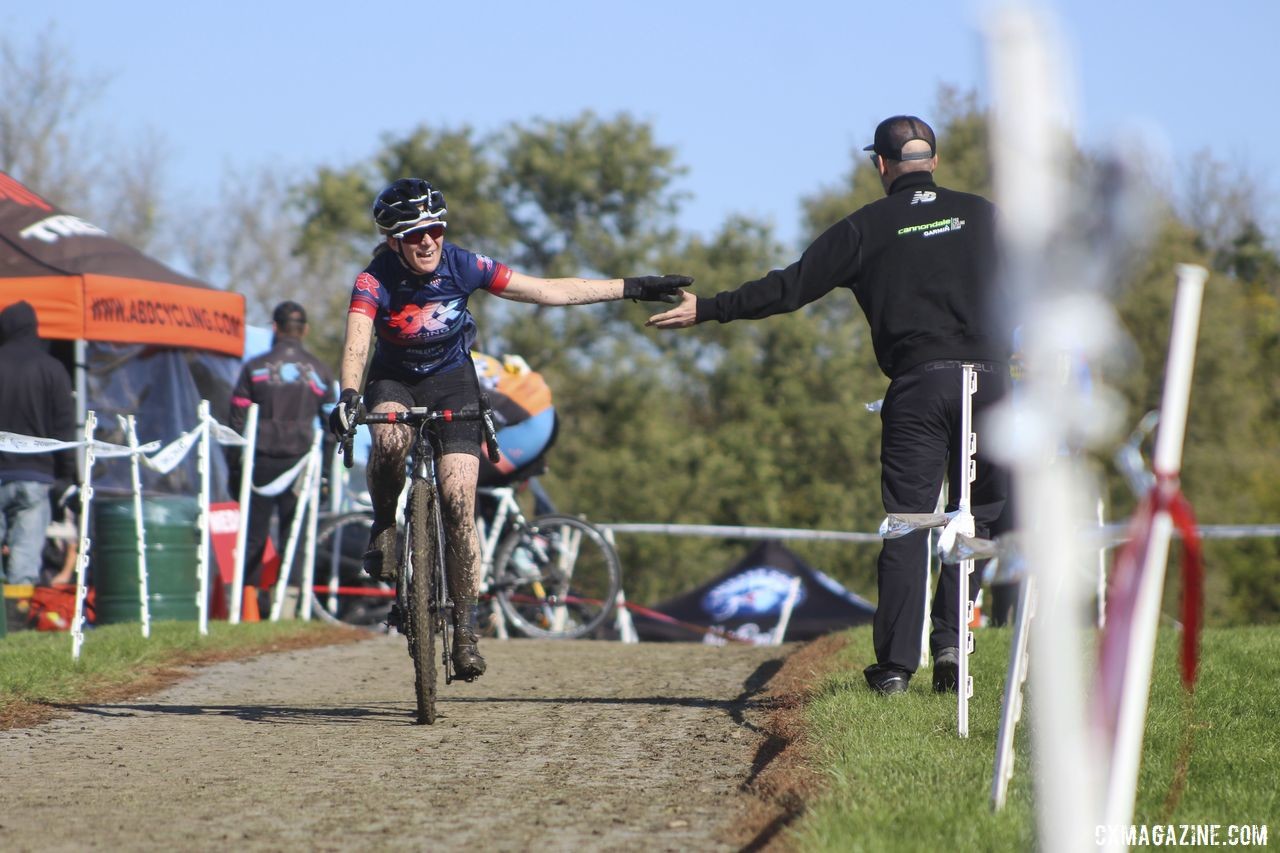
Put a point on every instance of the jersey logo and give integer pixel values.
(368, 284)
(417, 321)
(484, 263)
(924, 197)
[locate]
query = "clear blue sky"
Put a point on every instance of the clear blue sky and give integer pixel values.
(763, 100)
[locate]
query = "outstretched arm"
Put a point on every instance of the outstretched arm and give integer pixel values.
(581, 291)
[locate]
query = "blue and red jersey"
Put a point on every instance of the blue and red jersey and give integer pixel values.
(421, 322)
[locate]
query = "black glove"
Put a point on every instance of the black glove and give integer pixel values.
(342, 419)
(655, 288)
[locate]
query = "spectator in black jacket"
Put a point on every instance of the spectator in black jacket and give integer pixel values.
(293, 390)
(921, 264)
(35, 400)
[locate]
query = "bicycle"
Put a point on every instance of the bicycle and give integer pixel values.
(554, 577)
(421, 590)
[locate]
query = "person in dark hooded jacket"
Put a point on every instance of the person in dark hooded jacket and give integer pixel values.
(35, 400)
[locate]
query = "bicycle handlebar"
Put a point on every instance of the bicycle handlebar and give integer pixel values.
(423, 415)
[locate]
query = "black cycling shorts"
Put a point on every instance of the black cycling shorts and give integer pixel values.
(455, 389)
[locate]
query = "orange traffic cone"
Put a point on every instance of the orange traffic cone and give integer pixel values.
(250, 610)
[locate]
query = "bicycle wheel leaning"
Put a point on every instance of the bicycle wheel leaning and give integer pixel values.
(418, 572)
(557, 578)
(340, 544)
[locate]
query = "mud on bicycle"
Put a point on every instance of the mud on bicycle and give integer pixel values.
(514, 599)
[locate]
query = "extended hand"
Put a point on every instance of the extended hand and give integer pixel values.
(655, 288)
(682, 316)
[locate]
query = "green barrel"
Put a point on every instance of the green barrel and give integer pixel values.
(173, 541)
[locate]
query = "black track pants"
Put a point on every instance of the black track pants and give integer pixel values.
(920, 441)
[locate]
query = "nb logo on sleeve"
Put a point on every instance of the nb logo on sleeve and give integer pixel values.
(924, 197)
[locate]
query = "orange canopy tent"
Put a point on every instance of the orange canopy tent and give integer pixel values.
(85, 285)
(137, 337)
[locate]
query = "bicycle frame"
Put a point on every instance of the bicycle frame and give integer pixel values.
(491, 533)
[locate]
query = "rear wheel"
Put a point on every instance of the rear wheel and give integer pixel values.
(343, 593)
(422, 552)
(558, 578)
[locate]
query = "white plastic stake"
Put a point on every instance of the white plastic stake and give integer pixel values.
(1166, 462)
(784, 618)
(246, 493)
(202, 559)
(82, 559)
(310, 473)
(129, 424)
(964, 607)
(307, 583)
(1011, 705)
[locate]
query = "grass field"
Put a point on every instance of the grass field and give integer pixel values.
(898, 778)
(36, 668)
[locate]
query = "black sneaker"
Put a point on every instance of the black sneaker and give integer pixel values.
(946, 670)
(887, 680)
(467, 663)
(380, 558)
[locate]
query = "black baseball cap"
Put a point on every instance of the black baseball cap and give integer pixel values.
(896, 131)
(287, 311)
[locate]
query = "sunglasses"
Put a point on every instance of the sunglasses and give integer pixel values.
(875, 161)
(435, 230)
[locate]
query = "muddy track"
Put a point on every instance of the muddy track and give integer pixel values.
(575, 745)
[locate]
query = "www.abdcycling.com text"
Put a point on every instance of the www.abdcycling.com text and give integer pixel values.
(148, 312)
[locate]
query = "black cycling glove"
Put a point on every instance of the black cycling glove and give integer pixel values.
(342, 419)
(655, 288)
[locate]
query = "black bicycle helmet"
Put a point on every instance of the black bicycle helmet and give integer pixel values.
(406, 203)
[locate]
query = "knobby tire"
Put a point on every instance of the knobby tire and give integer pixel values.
(570, 587)
(422, 552)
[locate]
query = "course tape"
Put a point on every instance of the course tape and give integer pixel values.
(12, 442)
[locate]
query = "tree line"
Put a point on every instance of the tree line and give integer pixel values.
(748, 423)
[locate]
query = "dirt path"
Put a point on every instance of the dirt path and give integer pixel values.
(601, 746)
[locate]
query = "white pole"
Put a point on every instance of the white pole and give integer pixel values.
(1166, 462)
(622, 620)
(309, 472)
(930, 539)
(82, 558)
(784, 618)
(129, 423)
(968, 472)
(246, 493)
(313, 518)
(337, 486)
(1011, 706)
(202, 559)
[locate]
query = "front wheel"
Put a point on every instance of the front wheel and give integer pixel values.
(422, 552)
(557, 578)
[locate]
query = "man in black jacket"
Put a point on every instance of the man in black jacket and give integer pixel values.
(35, 400)
(293, 390)
(921, 264)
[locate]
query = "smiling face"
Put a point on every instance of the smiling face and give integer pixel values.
(420, 248)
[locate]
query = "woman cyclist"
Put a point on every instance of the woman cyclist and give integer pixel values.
(413, 294)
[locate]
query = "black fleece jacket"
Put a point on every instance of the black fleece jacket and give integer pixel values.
(920, 262)
(35, 399)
